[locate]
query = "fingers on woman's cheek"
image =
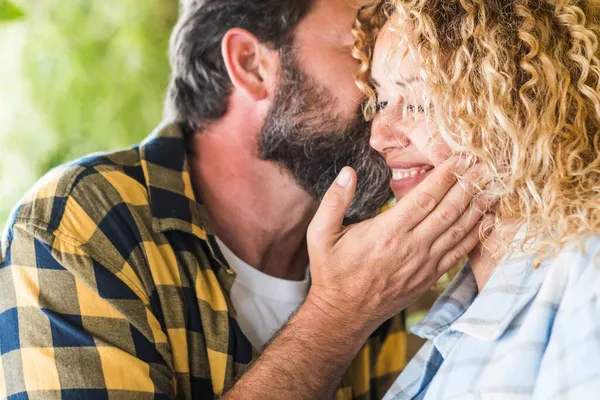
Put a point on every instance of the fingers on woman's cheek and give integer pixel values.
(443, 153)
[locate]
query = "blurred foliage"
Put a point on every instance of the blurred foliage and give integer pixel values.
(9, 11)
(83, 76)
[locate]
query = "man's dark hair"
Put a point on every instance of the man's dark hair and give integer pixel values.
(200, 86)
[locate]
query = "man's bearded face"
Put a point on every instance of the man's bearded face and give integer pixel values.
(308, 136)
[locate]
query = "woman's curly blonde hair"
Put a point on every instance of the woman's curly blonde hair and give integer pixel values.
(370, 20)
(515, 84)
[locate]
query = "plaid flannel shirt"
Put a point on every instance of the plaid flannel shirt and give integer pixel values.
(112, 287)
(530, 333)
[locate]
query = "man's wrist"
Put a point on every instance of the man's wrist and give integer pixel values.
(352, 327)
(308, 357)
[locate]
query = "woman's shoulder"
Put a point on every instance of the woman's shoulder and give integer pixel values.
(575, 271)
(581, 254)
(569, 365)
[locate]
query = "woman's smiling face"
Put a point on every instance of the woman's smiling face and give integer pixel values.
(403, 130)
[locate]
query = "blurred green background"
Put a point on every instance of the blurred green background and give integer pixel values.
(76, 76)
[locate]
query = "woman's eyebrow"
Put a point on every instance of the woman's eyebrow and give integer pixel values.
(402, 84)
(409, 81)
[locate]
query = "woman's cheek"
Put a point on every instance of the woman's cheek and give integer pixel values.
(430, 145)
(440, 152)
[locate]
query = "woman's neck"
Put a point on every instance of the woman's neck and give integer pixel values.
(483, 263)
(485, 258)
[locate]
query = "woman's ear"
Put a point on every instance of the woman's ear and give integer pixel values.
(251, 66)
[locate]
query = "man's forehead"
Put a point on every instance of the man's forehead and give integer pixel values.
(347, 4)
(337, 8)
(330, 21)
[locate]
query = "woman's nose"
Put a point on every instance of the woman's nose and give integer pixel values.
(387, 136)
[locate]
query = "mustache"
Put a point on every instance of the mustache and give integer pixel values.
(315, 159)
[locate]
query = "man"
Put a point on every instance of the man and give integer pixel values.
(162, 271)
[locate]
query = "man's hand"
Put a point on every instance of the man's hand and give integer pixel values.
(370, 271)
(362, 275)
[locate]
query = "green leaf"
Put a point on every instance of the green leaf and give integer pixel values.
(9, 11)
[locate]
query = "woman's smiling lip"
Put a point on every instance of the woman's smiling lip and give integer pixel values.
(408, 175)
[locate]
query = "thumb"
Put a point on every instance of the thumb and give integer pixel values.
(328, 220)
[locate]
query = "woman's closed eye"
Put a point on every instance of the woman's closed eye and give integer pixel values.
(380, 105)
(411, 108)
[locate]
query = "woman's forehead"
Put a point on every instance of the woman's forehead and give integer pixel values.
(393, 60)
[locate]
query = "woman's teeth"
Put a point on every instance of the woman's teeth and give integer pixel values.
(399, 174)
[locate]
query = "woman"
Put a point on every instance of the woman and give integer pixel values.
(516, 86)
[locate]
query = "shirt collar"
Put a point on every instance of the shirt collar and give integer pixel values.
(449, 306)
(171, 194)
(487, 315)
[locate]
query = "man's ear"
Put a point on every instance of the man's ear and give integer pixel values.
(251, 66)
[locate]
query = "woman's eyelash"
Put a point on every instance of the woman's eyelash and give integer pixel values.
(411, 108)
(379, 105)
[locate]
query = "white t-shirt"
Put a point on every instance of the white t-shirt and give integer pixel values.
(262, 302)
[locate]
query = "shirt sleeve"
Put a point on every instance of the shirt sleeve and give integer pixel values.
(72, 327)
(570, 366)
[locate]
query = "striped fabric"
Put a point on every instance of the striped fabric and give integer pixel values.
(532, 333)
(112, 287)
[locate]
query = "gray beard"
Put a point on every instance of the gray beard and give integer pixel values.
(306, 135)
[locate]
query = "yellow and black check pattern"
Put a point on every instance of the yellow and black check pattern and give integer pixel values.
(112, 287)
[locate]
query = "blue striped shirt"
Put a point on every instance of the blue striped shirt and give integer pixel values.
(530, 333)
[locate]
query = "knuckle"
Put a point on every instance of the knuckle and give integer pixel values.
(457, 254)
(470, 187)
(456, 233)
(425, 202)
(449, 214)
(448, 179)
(473, 212)
(481, 203)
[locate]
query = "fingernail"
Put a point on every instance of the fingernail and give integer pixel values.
(344, 178)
